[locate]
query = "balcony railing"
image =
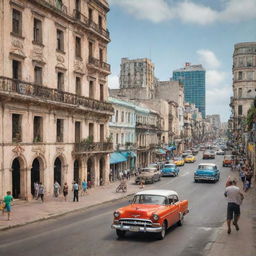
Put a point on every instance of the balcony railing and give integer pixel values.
(49, 95)
(93, 147)
(99, 64)
(90, 24)
(55, 4)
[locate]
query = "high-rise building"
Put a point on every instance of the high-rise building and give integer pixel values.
(193, 79)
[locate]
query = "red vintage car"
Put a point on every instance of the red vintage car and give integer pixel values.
(150, 211)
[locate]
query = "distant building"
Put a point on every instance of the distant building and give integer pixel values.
(193, 79)
(214, 120)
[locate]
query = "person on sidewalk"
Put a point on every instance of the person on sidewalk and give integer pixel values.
(7, 201)
(84, 187)
(56, 188)
(235, 198)
(36, 188)
(41, 191)
(65, 191)
(75, 189)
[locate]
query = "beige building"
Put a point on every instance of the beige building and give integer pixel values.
(53, 91)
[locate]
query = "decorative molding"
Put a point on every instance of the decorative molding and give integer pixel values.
(17, 49)
(79, 67)
(37, 55)
(60, 62)
(17, 4)
(18, 150)
(60, 150)
(38, 150)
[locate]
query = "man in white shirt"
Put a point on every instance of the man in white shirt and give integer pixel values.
(234, 197)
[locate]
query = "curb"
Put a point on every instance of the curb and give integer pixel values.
(64, 213)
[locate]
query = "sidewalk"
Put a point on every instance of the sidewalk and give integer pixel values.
(242, 242)
(28, 212)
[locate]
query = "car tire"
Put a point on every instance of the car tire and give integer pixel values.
(180, 222)
(152, 181)
(120, 233)
(196, 181)
(161, 235)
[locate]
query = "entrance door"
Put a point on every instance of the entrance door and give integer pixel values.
(35, 174)
(76, 171)
(16, 178)
(77, 132)
(57, 170)
(101, 172)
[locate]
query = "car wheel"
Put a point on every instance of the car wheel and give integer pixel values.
(196, 181)
(161, 235)
(180, 222)
(177, 173)
(152, 181)
(159, 178)
(120, 233)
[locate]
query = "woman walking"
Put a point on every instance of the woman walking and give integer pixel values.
(65, 191)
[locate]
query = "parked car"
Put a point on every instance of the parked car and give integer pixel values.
(228, 160)
(190, 159)
(148, 175)
(208, 172)
(154, 165)
(151, 211)
(220, 152)
(186, 153)
(195, 151)
(209, 154)
(179, 161)
(170, 170)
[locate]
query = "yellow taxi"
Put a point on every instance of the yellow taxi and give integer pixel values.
(179, 161)
(190, 159)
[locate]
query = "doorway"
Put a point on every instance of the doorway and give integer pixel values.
(76, 171)
(16, 178)
(35, 174)
(57, 170)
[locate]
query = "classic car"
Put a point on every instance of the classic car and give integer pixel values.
(195, 151)
(190, 159)
(186, 153)
(208, 154)
(208, 172)
(150, 211)
(148, 175)
(154, 165)
(220, 152)
(170, 170)
(228, 160)
(179, 161)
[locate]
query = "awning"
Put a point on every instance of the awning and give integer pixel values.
(160, 151)
(128, 154)
(116, 158)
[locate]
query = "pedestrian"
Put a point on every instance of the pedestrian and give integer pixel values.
(7, 204)
(65, 191)
(56, 188)
(84, 187)
(128, 175)
(248, 177)
(242, 176)
(75, 189)
(36, 188)
(235, 198)
(41, 191)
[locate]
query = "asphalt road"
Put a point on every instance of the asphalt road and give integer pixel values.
(88, 232)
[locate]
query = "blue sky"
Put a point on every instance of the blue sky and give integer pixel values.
(172, 32)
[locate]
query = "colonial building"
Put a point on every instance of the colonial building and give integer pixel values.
(53, 93)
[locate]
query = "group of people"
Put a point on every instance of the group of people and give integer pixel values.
(39, 191)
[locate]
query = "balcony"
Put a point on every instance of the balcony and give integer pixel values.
(95, 147)
(89, 24)
(99, 65)
(34, 93)
(55, 5)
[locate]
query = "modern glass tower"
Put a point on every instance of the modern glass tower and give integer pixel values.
(193, 79)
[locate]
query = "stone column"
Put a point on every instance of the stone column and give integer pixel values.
(28, 194)
(96, 170)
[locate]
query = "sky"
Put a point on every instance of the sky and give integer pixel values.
(172, 32)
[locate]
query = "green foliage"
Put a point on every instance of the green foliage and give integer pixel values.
(251, 116)
(88, 140)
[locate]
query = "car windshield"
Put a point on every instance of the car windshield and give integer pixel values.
(149, 199)
(206, 167)
(177, 159)
(169, 166)
(148, 170)
(189, 156)
(227, 157)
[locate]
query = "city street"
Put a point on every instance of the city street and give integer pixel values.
(88, 232)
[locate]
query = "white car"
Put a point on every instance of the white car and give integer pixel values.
(220, 152)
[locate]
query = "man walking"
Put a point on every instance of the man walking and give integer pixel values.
(235, 198)
(41, 191)
(75, 189)
(7, 201)
(56, 188)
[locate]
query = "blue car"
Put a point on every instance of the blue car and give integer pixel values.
(208, 172)
(170, 170)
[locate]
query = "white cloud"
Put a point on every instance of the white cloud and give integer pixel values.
(113, 82)
(215, 78)
(188, 11)
(208, 59)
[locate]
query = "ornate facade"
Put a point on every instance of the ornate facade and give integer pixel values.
(53, 92)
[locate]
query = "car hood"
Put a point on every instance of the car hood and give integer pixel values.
(168, 170)
(140, 211)
(205, 172)
(145, 174)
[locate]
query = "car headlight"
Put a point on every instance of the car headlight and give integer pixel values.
(155, 217)
(116, 214)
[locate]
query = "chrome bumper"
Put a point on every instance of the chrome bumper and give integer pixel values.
(204, 178)
(136, 228)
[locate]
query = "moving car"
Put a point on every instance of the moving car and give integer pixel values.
(151, 211)
(186, 153)
(220, 152)
(195, 151)
(207, 171)
(190, 159)
(148, 175)
(170, 170)
(228, 160)
(179, 161)
(209, 154)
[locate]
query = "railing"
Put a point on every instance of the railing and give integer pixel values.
(44, 93)
(90, 24)
(99, 64)
(93, 147)
(55, 4)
